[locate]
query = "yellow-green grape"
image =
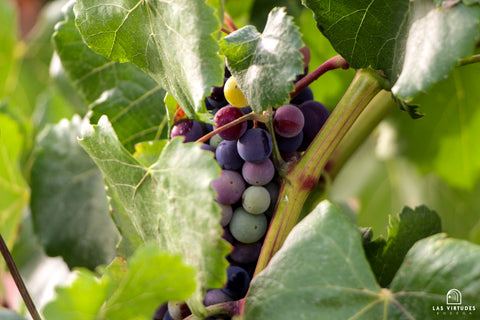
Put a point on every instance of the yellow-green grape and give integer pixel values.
(233, 94)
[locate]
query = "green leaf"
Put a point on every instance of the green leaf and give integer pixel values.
(271, 58)
(453, 118)
(13, 189)
(131, 99)
(366, 33)
(415, 43)
(436, 40)
(157, 202)
(431, 269)
(319, 273)
(150, 278)
(68, 202)
(8, 39)
(171, 41)
(386, 256)
(6, 314)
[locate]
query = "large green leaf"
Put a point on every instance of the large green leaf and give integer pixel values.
(431, 269)
(386, 255)
(414, 42)
(437, 38)
(68, 202)
(171, 41)
(13, 189)
(446, 139)
(8, 39)
(366, 33)
(129, 292)
(321, 273)
(131, 99)
(265, 64)
(170, 202)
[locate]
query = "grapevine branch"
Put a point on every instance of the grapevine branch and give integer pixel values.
(18, 280)
(333, 63)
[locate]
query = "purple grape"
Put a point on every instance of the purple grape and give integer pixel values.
(207, 147)
(258, 174)
(215, 296)
(315, 114)
(288, 121)
(287, 145)
(229, 187)
(304, 95)
(274, 189)
(227, 155)
(160, 312)
(226, 214)
(167, 316)
(255, 145)
(245, 252)
(189, 128)
(226, 115)
(227, 235)
(238, 282)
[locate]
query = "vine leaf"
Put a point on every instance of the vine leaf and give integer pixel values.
(386, 255)
(415, 43)
(437, 38)
(172, 41)
(265, 64)
(334, 280)
(68, 201)
(131, 291)
(13, 188)
(127, 95)
(156, 202)
(6, 314)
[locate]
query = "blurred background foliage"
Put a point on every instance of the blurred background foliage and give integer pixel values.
(433, 161)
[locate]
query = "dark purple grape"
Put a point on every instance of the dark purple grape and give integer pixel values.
(227, 155)
(255, 145)
(238, 282)
(229, 187)
(227, 235)
(245, 252)
(215, 296)
(167, 316)
(189, 128)
(226, 115)
(274, 189)
(160, 312)
(288, 121)
(302, 75)
(258, 174)
(207, 147)
(315, 114)
(226, 214)
(287, 145)
(304, 95)
(305, 51)
(227, 74)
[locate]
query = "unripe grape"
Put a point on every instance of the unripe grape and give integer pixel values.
(233, 94)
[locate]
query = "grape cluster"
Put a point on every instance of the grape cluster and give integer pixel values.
(247, 188)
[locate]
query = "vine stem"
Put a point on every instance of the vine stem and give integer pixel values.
(302, 178)
(333, 63)
(18, 280)
(229, 22)
(230, 308)
(469, 60)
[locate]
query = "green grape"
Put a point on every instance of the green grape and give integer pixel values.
(233, 94)
(246, 227)
(255, 199)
